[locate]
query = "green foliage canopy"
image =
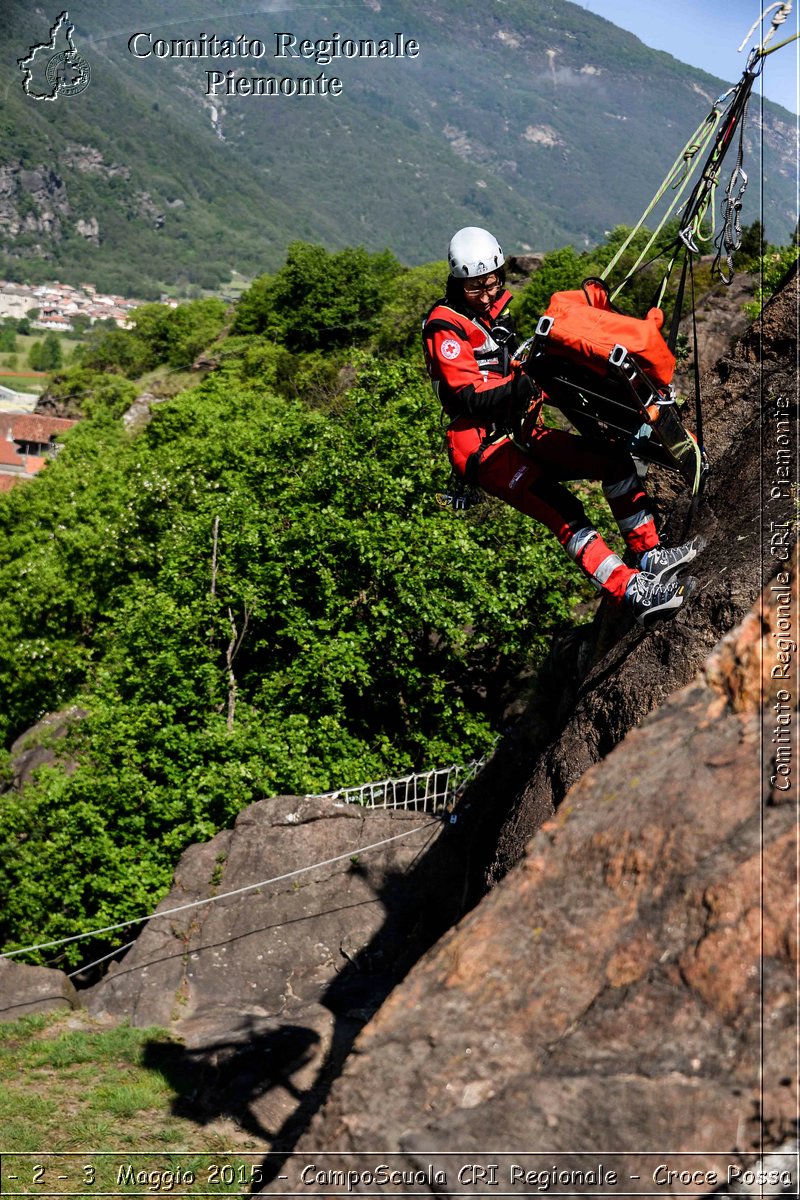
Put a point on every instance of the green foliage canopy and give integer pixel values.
(374, 632)
(161, 335)
(319, 300)
(46, 355)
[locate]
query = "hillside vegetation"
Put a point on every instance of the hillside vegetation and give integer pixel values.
(144, 182)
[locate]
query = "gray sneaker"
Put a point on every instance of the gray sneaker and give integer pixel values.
(663, 562)
(650, 599)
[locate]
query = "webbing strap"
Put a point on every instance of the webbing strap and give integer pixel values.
(473, 463)
(677, 178)
(698, 408)
(439, 325)
(780, 45)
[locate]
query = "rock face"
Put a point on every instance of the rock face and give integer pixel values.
(278, 979)
(720, 319)
(611, 991)
(141, 411)
(522, 266)
(41, 745)
(32, 200)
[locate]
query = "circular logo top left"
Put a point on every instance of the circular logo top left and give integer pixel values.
(68, 72)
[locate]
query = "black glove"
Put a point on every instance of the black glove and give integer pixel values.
(525, 392)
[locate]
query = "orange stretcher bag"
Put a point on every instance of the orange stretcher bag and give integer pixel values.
(586, 328)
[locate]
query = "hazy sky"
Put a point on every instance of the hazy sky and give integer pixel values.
(707, 33)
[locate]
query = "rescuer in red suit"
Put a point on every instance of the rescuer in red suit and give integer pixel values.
(468, 338)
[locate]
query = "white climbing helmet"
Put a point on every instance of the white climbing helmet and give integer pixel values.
(473, 251)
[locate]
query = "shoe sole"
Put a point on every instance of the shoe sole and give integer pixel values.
(668, 573)
(689, 585)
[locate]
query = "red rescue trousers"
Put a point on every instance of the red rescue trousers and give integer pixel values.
(533, 483)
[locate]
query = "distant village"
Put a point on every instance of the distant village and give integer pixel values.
(28, 439)
(59, 303)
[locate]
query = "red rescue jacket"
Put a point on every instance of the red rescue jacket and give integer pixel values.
(469, 361)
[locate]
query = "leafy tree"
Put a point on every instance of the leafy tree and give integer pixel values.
(116, 350)
(85, 392)
(80, 325)
(320, 300)
(561, 270)
(151, 327)
(161, 335)
(774, 267)
(51, 356)
(414, 293)
(191, 327)
(255, 312)
(752, 247)
(566, 269)
(8, 339)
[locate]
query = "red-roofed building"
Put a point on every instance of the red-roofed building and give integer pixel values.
(9, 454)
(52, 321)
(27, 440)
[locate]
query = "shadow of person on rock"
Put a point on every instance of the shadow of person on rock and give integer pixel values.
(227, 1078)
(230, 1076)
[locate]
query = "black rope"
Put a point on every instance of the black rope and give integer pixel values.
(672, 340)
(698, 407)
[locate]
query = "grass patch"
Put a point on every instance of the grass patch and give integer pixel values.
(68, 1083)
(23, 383)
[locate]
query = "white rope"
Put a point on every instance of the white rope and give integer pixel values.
(98, 961)
(777, 21)
(212, 899)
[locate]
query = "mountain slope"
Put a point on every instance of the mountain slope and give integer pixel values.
(538, 119)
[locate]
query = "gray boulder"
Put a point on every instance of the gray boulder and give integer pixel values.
(25, 990)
